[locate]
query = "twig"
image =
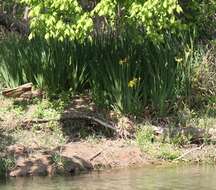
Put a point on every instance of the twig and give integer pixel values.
(96, 155)
(188, 152)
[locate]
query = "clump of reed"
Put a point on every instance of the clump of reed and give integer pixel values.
(119, 73)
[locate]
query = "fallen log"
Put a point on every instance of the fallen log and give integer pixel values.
(18, 91)
(81, 117)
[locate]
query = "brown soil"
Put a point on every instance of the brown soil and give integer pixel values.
(76, 157)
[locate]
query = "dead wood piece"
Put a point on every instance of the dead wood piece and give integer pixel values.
(189, 152)
(96, 155)
(18, 91)
(83, 117)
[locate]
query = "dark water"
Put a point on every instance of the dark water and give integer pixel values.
(150, 178)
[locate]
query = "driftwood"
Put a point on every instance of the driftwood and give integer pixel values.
(83, 117)
(189, 152)
(18, 91)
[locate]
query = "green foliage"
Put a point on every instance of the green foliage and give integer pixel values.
(15, 108)
(45, 110)
(201, 84)
(120, 73)
(148, 143)
(74, 20)
(57, 160)
(200, 15)
(116, 75)
(6, 163)
(145, 135)
(139, 74)
(180, 139)
(51, 108)
(54, 66)
(204, 76)
(128, 76)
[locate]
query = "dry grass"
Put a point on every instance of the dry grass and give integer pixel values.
(205, 73)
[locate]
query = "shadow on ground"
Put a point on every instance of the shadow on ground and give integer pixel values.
(44, 164)
(80, 126)
(5, 140)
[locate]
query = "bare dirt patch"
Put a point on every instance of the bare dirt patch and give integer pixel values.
(76, 157)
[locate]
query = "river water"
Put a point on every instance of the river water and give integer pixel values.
(148, 178)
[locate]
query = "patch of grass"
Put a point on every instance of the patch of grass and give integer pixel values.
(22, 104)
(159, 150)
(45, 109)
(43, 136)
(10, 107)
(187, 117)
(206, 122)
(51, 108)
(180, 139)
(57, 160)
(94, 139)
(145, 135)
(55, 66)
(148, 143)
(18, 111)
(5, 140)
(6, 163)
